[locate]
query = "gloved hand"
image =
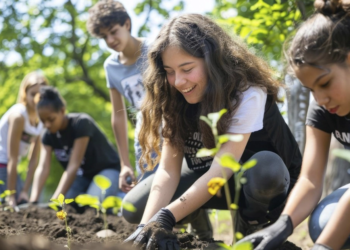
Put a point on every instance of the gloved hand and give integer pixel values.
(157, 232)
(272, 236)
(320, 247)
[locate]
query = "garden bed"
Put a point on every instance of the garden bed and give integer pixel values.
(38, 228)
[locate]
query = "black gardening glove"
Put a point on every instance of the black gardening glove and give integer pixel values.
(272, 236)
(320, 247)
(157, 232)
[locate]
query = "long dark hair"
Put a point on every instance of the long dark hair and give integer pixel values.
(231, 69)
(324, 38)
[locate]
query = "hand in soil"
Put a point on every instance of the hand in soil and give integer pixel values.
(154, 236)
(271, 237)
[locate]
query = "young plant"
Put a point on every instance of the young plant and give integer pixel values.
(228, 161)
(62, 215)
(5, 194)
(111, 202)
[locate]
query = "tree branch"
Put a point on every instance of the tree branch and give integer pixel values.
(302, 8)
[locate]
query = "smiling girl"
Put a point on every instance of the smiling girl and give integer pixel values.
(20, 128)
(195, 68)
(80, 147)
(320, 57)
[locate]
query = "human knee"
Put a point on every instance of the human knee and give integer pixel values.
(133, 217)
(269, 177)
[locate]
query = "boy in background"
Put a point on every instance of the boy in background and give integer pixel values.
(109, 20)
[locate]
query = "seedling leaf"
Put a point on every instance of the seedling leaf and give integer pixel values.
(109, 202)
(249, 164)
(227, 160)
(243, 246)
(85, 199)
(214, 117)
(223, 245)
(67, 201)
(239, 235)
(342, 153)
(206, 120)
(234, 206)
(1, 182)
(97, 207)
(56, 201)
(61, 198)
(53, 206)
(128, 207)
(102, 182)
(204, 152)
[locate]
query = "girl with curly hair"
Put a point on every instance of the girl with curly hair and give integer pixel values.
(196, 68)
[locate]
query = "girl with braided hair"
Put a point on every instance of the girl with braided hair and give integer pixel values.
(319, 55)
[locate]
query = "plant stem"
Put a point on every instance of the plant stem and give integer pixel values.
(228, 200)
(68, 232)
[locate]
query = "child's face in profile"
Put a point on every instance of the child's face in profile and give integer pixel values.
(116, 36)
(185, 73)
(52, 120)
(329, 84)
(30, 95)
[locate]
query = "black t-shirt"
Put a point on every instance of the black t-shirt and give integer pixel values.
(99, 154)
(321, 119)
(275, 136)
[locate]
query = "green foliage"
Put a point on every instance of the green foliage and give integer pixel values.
(264, 24)
(102, 182)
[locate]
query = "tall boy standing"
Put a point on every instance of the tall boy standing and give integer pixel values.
(109, 20)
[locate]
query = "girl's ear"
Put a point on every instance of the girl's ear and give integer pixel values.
(127, 24)
(63, 110)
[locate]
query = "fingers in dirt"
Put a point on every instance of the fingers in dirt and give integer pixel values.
(151, 245)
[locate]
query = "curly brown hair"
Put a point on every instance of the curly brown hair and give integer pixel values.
(231, 68)
(105, 14)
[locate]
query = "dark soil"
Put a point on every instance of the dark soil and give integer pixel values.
(39, 229)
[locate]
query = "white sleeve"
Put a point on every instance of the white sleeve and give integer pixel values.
(249, 115)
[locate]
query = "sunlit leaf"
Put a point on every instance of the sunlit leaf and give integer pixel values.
(56, 201)
(239, 235)
(102, 182)
(85, 199)
(234, 206)
(228, 161)
(204, 152)
(60, 198)
(53, 206)
(109, 202)
(249, 164)
(1, 182)
(215, 117)
(243, 246)
(128, 207)
(206, 120)
(67, 201)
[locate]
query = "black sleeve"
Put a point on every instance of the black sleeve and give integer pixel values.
(84, 126)
(318, 117)
(46, 139)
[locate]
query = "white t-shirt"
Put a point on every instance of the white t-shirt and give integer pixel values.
(29, 134)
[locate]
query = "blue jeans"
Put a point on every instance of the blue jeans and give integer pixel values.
(3, 177)
(324, 211)
(84, 185)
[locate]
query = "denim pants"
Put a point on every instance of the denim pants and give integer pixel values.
(323, 213)
(84, 185)
(262, 198)
(3, 177)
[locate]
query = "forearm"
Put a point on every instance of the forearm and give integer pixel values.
(195, 197)
(30, 173)
(304, 192)
(337, 229)
(65, 183)
(40, 178)
(12, 174)
(162, 190)
(119, 124)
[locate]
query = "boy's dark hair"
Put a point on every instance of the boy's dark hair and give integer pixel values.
(104, 14)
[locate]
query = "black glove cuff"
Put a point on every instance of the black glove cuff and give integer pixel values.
(166, 218)
(288, 222)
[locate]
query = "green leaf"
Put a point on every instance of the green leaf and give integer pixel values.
(61, 198)
(128, 207)
(56, 201)
(206, 120)
(102, 182)
(53, 206)
(223, 245)
(85, 199)
(1, 182)
(204, 152)
(97, 207)
(243, 246)
(249, 164)
(215, 117)
(234, 206)
(109, 202)
(341, 153)
(67, 201)
(228, 161)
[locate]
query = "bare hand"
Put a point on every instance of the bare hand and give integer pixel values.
(124, 174)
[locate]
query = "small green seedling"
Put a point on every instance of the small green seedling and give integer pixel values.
(110, 202)
(5, 194)
(228, 161)
(62, 215)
